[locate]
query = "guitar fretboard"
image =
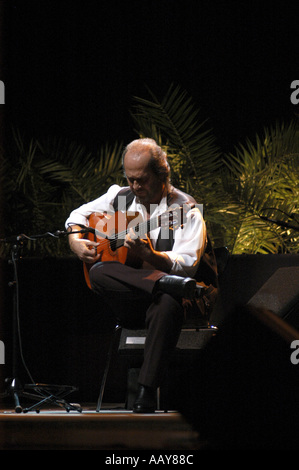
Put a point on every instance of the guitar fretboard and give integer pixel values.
(141, 229)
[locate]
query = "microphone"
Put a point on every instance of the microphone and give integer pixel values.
(61, 233)
(83, 230)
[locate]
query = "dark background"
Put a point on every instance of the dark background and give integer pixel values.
(66, 331)
(72, 67)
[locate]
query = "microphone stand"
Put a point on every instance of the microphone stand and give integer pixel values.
(43, 393)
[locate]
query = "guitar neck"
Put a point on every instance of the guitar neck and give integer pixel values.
(141, 229)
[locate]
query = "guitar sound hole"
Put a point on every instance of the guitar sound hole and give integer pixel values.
(113, 244)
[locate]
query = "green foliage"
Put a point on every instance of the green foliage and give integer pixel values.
(190, 146)
(263, 180)
(237, 190)
(42, 182)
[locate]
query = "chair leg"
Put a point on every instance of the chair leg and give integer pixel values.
(100, 398)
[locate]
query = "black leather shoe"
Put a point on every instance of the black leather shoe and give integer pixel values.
(177, 286)
(146, 400)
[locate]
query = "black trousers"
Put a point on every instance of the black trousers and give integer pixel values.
(130, 294)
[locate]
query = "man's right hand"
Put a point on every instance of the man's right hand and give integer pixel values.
(86, 250)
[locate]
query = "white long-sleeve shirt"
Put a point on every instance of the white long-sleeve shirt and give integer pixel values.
(189, 240)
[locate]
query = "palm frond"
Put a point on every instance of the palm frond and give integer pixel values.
(190, 146)
(44, 181)
(264, 181)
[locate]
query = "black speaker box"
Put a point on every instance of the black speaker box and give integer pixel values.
(267, 281)
(245, 392)
(280, 294)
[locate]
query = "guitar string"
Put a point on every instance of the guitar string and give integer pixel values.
(146, 224)
(123, 233)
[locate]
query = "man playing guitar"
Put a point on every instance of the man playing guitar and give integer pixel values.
(147, 269)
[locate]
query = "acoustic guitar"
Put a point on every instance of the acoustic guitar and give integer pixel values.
(110, 230)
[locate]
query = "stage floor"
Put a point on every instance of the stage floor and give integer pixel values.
(113, 428)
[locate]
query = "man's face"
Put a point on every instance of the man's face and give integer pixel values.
(141, 179)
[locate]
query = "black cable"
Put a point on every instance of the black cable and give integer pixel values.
(17, 316)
